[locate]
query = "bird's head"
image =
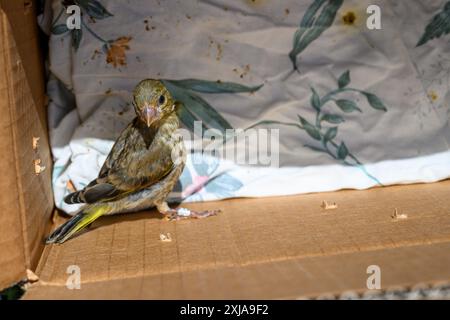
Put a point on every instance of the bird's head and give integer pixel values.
(152, 102)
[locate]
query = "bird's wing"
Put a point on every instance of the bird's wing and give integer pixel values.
(116, 150)
(439, 25)
(126, 170)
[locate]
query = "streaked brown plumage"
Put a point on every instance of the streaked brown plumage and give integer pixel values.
(140, 170)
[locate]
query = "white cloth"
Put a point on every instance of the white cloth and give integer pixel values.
(248, 42)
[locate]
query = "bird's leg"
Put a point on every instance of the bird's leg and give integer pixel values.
(183, 213)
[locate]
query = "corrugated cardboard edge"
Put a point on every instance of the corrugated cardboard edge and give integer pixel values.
(26, 197)
(268, 248)
(310, 277)
(13, 257)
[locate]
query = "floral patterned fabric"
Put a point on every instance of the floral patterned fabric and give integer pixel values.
(355, 108)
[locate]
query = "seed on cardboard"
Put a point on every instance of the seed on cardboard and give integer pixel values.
(329, 205)
(35, 142)
(165, 237)
(397, 216)
(37, 167)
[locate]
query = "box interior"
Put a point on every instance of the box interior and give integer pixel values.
(284, 247)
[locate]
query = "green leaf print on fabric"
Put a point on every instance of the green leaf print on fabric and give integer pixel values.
(326, 136)
(205, 86)
(114, 49)
(344, 79)
(195, 108)
(439, 26)
(312, 26)
(93, 8)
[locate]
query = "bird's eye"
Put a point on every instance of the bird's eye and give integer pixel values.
(161, 100)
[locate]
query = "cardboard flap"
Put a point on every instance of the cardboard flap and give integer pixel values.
(261, 248)
(26, 199)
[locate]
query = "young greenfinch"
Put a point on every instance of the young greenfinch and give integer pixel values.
(141, 169)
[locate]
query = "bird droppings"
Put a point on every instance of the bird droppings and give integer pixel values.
(433, 96)
(329, 205)
(219, 52)
(349, 18)
(218, 46)
(37, 166)
(183, 212)
(243, 72)
(396, 216)
(246, 70)
(255, 2)
(165, 237)
(35, 142)
(148, 27)
(95, 54)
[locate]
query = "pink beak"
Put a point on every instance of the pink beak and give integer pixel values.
(149, 115)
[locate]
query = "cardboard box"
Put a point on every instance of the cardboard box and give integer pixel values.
(286, 247)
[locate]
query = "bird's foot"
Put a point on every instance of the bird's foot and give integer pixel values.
(183, 213)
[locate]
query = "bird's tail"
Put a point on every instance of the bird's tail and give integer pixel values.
(75, 197)
(77, 223)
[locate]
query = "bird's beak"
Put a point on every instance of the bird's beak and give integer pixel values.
(150, 115)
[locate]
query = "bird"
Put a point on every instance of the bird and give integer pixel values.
(141, 169)
(439, 26)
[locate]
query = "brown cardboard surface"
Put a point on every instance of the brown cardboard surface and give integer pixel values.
(260, 248)
(11, 238)
(285, 279)
(26, 198)
(256, 248)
